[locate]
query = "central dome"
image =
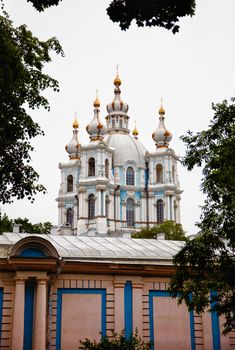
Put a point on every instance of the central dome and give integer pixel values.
(126, 149)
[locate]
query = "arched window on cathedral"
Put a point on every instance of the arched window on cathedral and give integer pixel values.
(159, 176)
(160, 211)
(121, 123)
(69, 216)
(130, 176)
(130, 212)
(91, 206)
(106, 168)
(91, 167)
(69, 183)
(113, 122)
(173, 173)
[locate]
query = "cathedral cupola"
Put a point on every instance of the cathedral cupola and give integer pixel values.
(117, 118)
(73, 147)
(161, 135)
(95, 128)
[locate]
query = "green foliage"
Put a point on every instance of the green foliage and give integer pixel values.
(118, 342)
(22, 58)
(6, 225)
(172, 230)
(28, 227)
(207, 263)
(161, 13)
(41, 5)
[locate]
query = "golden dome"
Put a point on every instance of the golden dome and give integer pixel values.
(161, 110)
(117, 81)
(135, 132)
(96, 103)
(75, 124)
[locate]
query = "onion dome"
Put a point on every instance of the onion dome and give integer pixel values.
(161, 110)
(75, 123)
(73, 147)
(161, 135)
(95, 128)
(135, 132)
(117, 118)
(117, 106)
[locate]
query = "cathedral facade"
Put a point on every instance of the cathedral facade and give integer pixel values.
(114, 184)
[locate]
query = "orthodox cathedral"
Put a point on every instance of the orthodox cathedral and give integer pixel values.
(113, 184)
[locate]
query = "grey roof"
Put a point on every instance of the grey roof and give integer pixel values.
(103, 248)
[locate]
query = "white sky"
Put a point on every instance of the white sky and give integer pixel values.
(190, 70)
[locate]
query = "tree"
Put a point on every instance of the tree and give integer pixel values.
(118, 342)
(28, 227)
(22, 58)
(172, 230)
(6, 225)
(161, 13)
(205, 275)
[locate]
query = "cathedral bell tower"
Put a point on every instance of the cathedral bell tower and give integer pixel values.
(164, 187)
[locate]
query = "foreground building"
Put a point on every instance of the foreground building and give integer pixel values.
(114, 184)
(56, 290)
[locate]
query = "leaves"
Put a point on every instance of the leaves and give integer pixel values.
(161, 13)
(6, 225)
(172, 230)
(118, 342)
(28, 227)
(207, 263)
(22, 59)
(41, 5)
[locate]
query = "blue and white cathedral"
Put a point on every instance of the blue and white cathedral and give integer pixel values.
(114, 185)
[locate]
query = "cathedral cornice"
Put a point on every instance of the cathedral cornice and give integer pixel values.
(71, 164)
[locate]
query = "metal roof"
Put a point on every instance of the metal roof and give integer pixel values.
(102, 248)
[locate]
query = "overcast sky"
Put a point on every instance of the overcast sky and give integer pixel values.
(190, 70)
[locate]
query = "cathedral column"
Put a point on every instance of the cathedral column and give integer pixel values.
(101, 222)
(40, 315)
(61, 213)
(119, 306)
(18, 315)
(138, 306)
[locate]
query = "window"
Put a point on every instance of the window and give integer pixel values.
(107, 168)
(130, 212)
(130, 176)
(159, 173)
(121, 123)
(113, 122)
(91, 167)
(69, 216)
(69, 183)
(160, 215)
(91, 206)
